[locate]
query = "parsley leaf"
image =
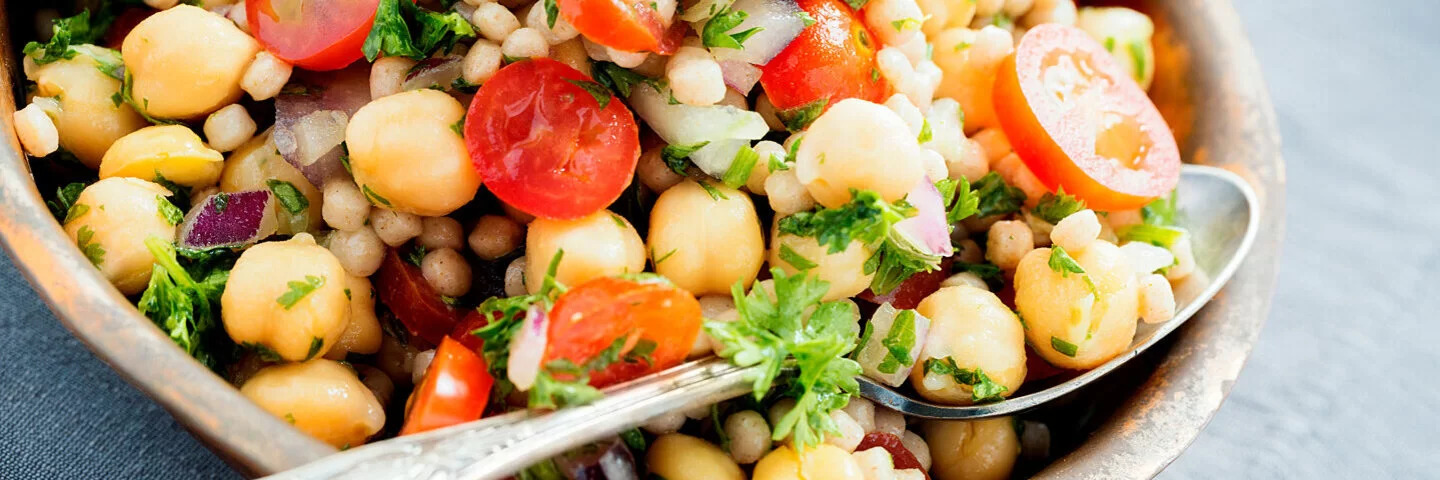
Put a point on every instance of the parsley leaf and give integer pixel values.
(602, 96)
(716, 34)
(739, 172)
(997, 197)
(982, 388)
(299, 289)
(65, 198)
(715, 194)
(179, 194)
(505, 315)
(798, 118)
(1137, 55)
(374, 197)
(926, 134)
(898, 343)
(84, 238)
(790, 256)
(621, 80)
(1162, 211)
(76, 30)
(857, 4)
(1064, 264)
(960, 202)
(289, 196)
(1054, 207)
(1065, 348)
(169, 211)
(391, 32)
(906, 24)
(185, 302)
(316, 343)
(677, 157)
(552, 13)
(806, 18)
(1152, 234)
(416, 255)
(866, 218)
(771, 331)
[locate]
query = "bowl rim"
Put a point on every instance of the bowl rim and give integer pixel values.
(1143, 436)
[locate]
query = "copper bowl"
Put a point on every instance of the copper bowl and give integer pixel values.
(1131, 425)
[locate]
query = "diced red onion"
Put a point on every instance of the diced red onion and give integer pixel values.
(780, 22)
(464, 9)
(246, 218)
(527, 349)
(739, 75)
(610, 460)
(928, 228)
(343, 91)
(432, 72)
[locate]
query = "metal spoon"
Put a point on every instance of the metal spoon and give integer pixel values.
(1218, 208)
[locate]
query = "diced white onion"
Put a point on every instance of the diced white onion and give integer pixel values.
(527, 349)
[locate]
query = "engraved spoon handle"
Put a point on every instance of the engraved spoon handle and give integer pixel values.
(497, 447)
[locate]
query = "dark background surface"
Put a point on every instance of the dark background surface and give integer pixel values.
(1341, 385)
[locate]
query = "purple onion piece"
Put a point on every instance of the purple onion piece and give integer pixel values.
(342, 91)
(229, 220)
(739, 75)
(608, 460)
(433, 72)
(927, 229)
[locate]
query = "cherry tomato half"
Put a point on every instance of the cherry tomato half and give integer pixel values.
(833, 59)
(542, 143)
(629, 25)
(325, 35)
(403, 288)
(589, 318)
(455, 390)
(1081, 123)
(910, 292)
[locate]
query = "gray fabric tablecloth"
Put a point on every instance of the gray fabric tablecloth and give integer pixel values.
(1341, 384)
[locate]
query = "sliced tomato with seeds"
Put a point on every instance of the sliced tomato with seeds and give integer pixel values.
(629, 25)
(1081, 123)
(589, 318)
(456, 390)
(831, 60)
(314, 35)
(551, 142)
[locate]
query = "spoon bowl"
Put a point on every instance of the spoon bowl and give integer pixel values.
(1218, 208)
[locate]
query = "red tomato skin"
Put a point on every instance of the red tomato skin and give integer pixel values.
(588, 318)
(456, 390)
(1058, 145)
(461, 333)
(402, 287)
(902, 456)
(544, 146)
(629, 25)
(124, 23)
(914, 289)
(331, 44)
(833, 58)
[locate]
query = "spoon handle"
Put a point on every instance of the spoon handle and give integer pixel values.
(497, 447)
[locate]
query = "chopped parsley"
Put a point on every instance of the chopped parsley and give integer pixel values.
(184, 301)
(66, 32)
(298, 290)
(1054, 207)
(795, 259)
(997, 197)
(866, 218)
(316, 343)
(416, 255)
(771, 332)
(1137, 54)
(960, 202)
(65, 200)
(982, 388)
(926, 134)
(458, 127)
(169, 211)
(716, 34)
(1065, 348)
(898, 343)
(677, 157)
(798, 118)
(79, 210)
(552, 392)
(739, 172)
(1064, 264)
(662, 258)
(289, 196)
(906, 24)
(505, 316)
(1162, 211)
(806, 18)
(179, 194)
(84, 238)
(391, 34)
(552, 13)
(857, 4)
(621, 80)
(715, 193)
(1156, 235)
(602, 95)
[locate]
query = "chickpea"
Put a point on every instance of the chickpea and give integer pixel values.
(87, 119)
(972, 449)
(1157, 299)
(406, 157)
(1007, 242)
(787, 195)
(287, 296)
(118, 214)
(683, 457)
(704, 244)
(843, 269)
(172, 151)
(761, 171)
(1076, 231)
(496, 236)
(321, 398)
(858, 145)
(749, 436)
(597, 245)
(1063, 312)
(975, 329)
(362, 334)
(1127, 34)
(255, 164)
(670, 422)
(173, 76)
(822, 461)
